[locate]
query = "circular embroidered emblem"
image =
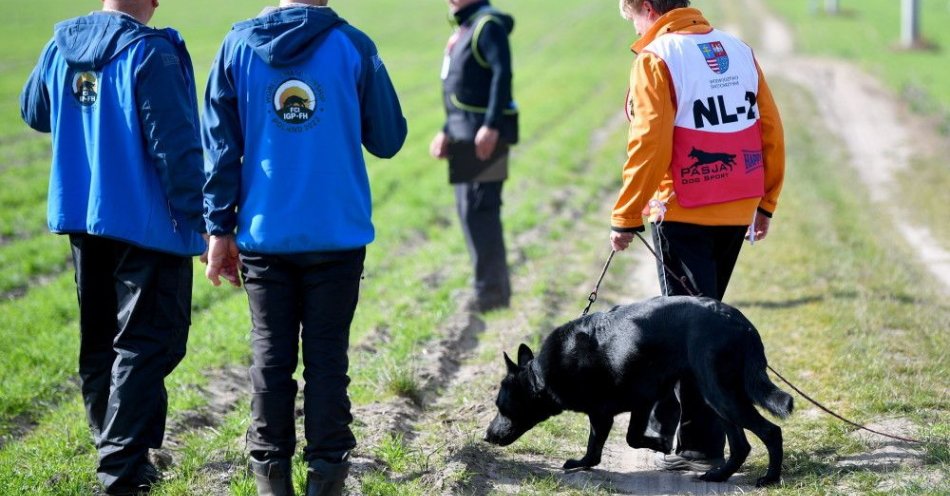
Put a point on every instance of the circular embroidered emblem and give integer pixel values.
(86, 88)
(294, 102)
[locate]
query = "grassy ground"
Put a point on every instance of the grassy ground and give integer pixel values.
(842, 309)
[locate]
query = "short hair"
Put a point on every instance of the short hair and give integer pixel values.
(630, 7)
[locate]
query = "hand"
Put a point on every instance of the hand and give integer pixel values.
(223, 261)
(760, 225)
(439, 148)
(486, 139)
(619, 241)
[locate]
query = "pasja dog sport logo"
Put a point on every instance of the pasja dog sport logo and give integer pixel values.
(85, 87)
(716, 57)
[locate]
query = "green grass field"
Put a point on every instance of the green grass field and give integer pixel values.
(844, 311)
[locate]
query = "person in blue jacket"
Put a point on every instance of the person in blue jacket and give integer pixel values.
(293, 96)
(126, 182)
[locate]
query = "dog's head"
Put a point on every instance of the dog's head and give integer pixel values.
(522, 401)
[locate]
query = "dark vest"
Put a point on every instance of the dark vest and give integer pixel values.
(467, 85)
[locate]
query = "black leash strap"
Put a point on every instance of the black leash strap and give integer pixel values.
(682, 280)
(593, 294)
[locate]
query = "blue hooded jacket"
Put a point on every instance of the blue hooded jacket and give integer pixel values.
(292, 96)
(119, 100)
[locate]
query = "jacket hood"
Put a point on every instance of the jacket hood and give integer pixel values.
(506, 20)
(90, 42)
(477, 9)
(671, 22)
(287, 36)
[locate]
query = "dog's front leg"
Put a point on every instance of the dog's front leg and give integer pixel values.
(600, 425)
(636, 432)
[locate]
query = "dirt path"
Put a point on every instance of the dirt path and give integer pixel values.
(878, 133)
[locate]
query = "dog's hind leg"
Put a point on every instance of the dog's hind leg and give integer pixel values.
(728, 403)
(738, 451)
(771, 436)
(600, 425)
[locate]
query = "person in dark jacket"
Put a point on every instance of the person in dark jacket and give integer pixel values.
(292, 96)
(125, 185)
(481, 124)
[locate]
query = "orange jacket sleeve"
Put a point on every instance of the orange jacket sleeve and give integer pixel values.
(773, 145)
(650, 139)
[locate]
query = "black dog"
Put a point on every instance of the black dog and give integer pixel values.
(626, 359)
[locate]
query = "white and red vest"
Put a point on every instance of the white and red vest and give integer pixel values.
(717, 140)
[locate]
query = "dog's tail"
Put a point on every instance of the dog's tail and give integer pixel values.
(761, 389)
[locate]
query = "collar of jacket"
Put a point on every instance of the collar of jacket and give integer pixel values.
(671, 22)
(466, 13)
(118, 13)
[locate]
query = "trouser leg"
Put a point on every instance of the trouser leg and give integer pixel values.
(154, 312)
(705, 256)
(95, 262)
(699, 434)
(330, 291)
(272, 287)
(479, 210)
(728, 243)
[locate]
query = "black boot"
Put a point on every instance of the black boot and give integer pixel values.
(325, 478)
(272, 477)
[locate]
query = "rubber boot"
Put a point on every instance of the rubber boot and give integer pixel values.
(325, 478)
(272, 477)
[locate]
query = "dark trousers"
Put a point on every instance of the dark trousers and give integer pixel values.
(705, 256)
(308, 299)
(134, 314)
(479, 210)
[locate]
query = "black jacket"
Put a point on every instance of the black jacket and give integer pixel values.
(476, 81)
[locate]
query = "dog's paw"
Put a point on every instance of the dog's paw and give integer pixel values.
(651, 443)
(581, 464)
(767, 481)
(714, 475)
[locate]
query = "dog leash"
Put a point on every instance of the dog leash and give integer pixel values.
(593, 297)
(839, 417)
(593, 294)
(682, 280)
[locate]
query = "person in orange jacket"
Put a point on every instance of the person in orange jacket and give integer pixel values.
(705, 163)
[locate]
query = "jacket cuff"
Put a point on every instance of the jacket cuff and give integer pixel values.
(627, 229)
(764, 212)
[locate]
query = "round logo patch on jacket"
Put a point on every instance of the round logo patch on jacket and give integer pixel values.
(296, 103)
(85, 87)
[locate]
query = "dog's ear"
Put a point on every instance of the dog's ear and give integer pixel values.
(524, 355)
(512, 366)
